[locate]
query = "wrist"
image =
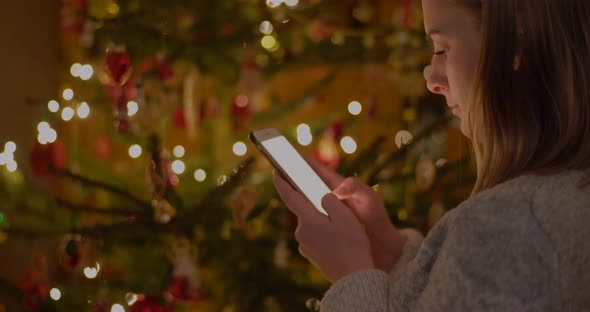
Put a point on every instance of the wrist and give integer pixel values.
(387, 246)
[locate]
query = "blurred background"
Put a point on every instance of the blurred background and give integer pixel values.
(127, 180)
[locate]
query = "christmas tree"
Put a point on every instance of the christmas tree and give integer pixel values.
(155, 197)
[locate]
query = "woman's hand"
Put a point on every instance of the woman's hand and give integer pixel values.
(385, 240)
(338, 245)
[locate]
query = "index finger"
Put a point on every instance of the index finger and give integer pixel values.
(292, 198)
(329, 176)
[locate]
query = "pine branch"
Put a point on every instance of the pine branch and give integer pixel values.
(102, 185)
(396, 154)
(365, 158)
(282, 110)
(108, 211)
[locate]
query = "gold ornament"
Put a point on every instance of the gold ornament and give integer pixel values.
(425, 173)
(363, 12)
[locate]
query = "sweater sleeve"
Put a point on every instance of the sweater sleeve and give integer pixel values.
(492, 257)
(409, 251)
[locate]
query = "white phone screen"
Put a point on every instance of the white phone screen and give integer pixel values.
(308, 182)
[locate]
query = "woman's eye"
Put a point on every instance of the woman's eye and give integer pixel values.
(441, 52)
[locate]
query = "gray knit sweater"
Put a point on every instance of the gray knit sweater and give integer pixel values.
(523, 245)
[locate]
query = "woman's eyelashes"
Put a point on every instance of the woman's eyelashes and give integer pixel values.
(441, 52)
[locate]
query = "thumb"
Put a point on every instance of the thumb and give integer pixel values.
(335, 208)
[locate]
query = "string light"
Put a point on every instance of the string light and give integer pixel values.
(11, 166)
(83, 110)
(355, 108)
(178, 166)
(200, 175)
(135, 151)
(131, 298)
(269, 42)
(273, 3)
(304, 136)
(266, 28)
(86, 72)
(178, 151)
(117, 308)
(67, 114)
(53, 106)
(68, 94)
(55, 294)
(46, 133)
(132, 108)
(291, 3)
(348, 145)
(5, 158)
(75, 69)
(240, 148)
(10, 147)
(402, 138)
(91, 272)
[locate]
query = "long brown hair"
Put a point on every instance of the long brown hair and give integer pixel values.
(534, 117)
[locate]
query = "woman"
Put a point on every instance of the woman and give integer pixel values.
(517, 74)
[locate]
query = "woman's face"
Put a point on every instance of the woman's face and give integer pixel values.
(455, 34)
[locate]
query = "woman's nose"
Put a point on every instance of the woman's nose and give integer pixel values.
(435, 81)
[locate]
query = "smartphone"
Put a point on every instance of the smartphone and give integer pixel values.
(287, 160)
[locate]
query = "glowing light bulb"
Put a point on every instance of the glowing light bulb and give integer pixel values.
(43, 126)
(273, 3)
(11, 166)
(83, 110)
(266, 28)
(68, 94)
(86, 72)
(131, 298)
(67, 114)
(178, 151)
(132, 108)
(269, 42)
(10, 147)
(90, 273)
(402, 138)
(355, 108)
(291, 3)
(4, 159)
(178, 166)
(240, 148)
(200, 175)
(348, 145)
(53, 106)
(55, 294)
(50, 136)
(135, 151)
(117, 308)
(75, 69)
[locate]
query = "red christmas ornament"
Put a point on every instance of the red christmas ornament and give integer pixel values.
(157, 64)
(149, 303)
(118, 64)
(45, 156)
(71, 256)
